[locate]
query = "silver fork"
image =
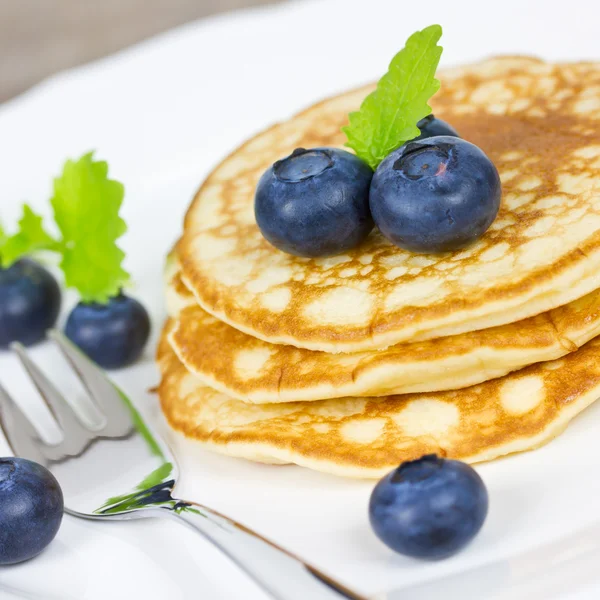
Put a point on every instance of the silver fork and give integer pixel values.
(121, 470)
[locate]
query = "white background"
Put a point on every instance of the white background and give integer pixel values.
(164, 114)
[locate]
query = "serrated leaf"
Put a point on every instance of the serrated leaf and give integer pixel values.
(31, 237)
(86, 207)
(388, 116)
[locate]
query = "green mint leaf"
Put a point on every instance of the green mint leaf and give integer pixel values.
(388, 116)
(86, 207)
(141, 427)
(31, 237)
(156, 477)
(3, 238)
(186, 508)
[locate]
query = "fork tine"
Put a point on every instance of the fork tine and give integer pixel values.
(22, 437)
(100, 388)
(69, 422)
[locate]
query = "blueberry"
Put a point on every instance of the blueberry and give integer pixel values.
(431, 126)
(29, 303)
(31, 509)
(315, 202)
(429, 508)
(436, 195)
(114, 334)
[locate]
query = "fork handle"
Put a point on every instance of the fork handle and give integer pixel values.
(278, 572)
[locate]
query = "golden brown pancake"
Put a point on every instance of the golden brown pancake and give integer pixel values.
(367, 437)
(540, 125)
(252, 370)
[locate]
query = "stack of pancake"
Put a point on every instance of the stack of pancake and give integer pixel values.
(354, 363)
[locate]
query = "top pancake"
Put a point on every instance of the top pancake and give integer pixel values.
(540, 125)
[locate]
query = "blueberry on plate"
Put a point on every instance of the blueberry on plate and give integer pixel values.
(435, 195)
(113, 334)
(31, 509)
(315, 202)
(429, 508)
(29, 303)
(431, 126)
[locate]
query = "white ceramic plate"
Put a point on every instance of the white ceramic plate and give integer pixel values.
(163, 114)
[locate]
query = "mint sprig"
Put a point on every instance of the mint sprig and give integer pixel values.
(86, 205)
(30, 237)
(388, 116)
